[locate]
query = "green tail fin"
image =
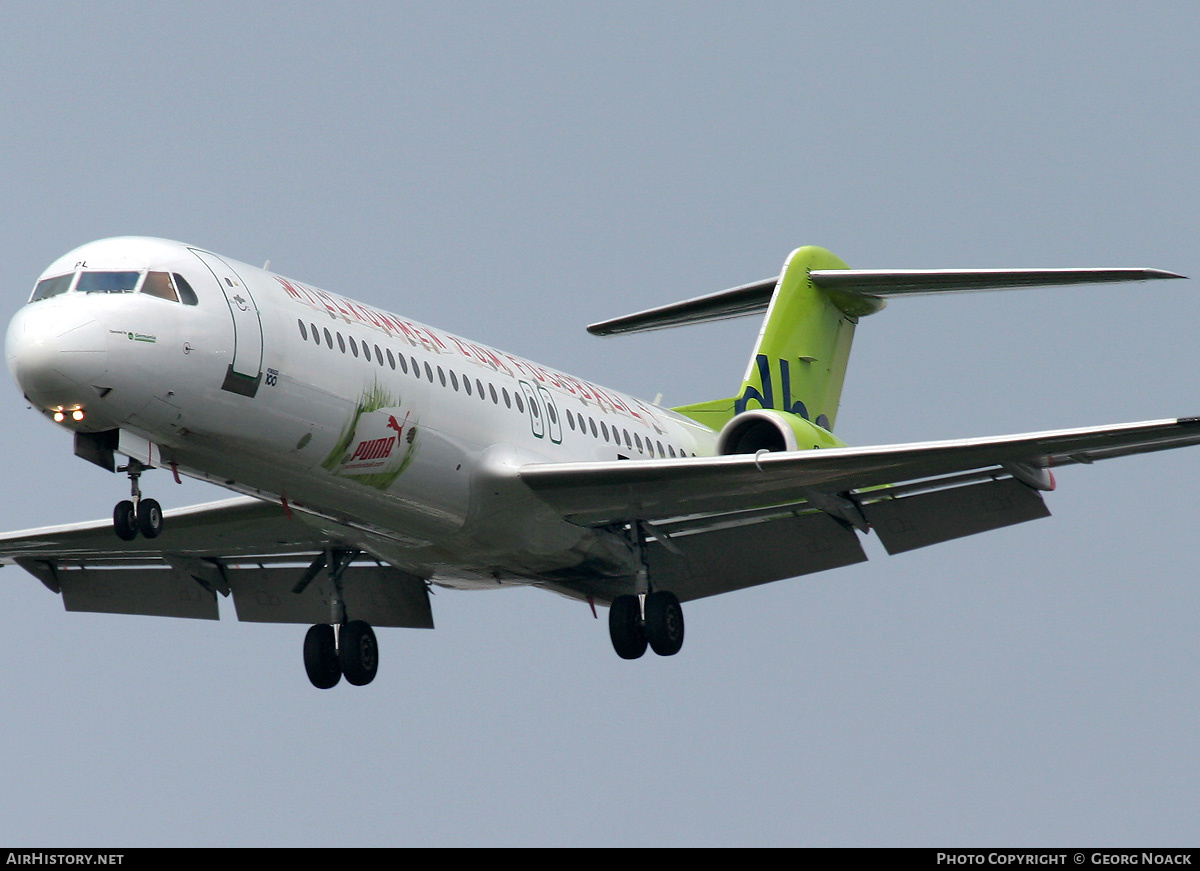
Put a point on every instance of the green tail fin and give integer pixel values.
(799, 364)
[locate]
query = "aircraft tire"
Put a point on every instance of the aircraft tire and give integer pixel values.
(358, 652)
(625, 627)
(149, 518)
(664, 623)
(125, 523)
(321, 657)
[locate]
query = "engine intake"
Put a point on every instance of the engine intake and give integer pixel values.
(765, 429)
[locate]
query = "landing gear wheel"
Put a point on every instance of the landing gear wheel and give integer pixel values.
(358, 652)
(625, 627)
(125, 521)
(321, 657)
(664, 623)
(149, 518)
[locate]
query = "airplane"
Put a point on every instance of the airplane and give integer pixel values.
(375, 457)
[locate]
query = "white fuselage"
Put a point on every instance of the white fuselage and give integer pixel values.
(342, 411)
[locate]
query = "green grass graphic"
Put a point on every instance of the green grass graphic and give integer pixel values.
(373, 398)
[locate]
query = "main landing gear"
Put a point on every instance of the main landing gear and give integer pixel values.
(351, 648)
(136, 514)
(352, 651)
(655, 620)
(648, 618)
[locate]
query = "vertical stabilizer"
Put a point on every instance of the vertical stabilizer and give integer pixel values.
(799, 363)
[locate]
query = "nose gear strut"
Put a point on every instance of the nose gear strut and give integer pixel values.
(136, 514)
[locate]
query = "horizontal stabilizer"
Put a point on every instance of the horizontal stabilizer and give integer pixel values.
(911, 282)
(749, 299)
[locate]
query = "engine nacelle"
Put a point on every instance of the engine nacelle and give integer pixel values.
(765, 429)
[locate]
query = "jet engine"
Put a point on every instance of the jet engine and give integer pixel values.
(765, 429)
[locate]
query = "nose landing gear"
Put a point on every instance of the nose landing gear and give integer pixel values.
(135, 515)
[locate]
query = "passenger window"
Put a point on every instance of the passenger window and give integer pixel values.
(303, 330)
(342, 343)
(328, 338)
(186, 295)
(107, 282)
(454, 380)
(159, 284)
(49, 287)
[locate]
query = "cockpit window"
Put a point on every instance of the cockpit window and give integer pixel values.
(186, 294)
(49, 287)
(107, 282)
(159, 284)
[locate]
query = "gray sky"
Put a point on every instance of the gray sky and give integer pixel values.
(511, 172)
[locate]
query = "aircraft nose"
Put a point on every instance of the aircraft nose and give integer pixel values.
(54, 350)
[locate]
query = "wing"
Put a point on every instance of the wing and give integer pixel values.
(721, 523)
(272, 563)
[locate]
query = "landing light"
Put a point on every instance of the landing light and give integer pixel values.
(59, 417)
(77, 414)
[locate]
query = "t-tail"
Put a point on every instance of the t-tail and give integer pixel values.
(799, 363)
(794, 379)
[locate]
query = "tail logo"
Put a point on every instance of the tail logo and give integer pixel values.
(766, 397)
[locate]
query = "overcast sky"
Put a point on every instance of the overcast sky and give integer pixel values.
(513, 171)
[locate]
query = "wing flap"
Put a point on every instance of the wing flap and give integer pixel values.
(381, 595)
(154, 592)
(732, 558)
(932, 518)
